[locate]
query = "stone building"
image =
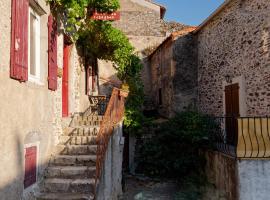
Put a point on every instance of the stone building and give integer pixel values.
(234, 81)
(30, 112)
(223, 66)
(173, 73)
(43, 85)
(142, 22)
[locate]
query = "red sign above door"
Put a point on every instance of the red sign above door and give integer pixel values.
(106, 16)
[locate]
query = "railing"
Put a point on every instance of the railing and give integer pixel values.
(98, 104)
(243, 137)
(113, 115)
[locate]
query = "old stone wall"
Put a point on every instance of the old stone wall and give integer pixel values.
(222, 171)
(173, 72)
(236, 43)
(161, 78)
(184, 73)
(144, 28)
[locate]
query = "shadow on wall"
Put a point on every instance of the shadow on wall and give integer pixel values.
(13, 170)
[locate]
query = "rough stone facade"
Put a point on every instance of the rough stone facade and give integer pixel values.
(222, 171)
(236, 42)
(142, 22)
(173, 73)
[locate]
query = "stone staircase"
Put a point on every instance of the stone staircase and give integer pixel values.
(71, 172)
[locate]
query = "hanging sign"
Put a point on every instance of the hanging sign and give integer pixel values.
(106, 16)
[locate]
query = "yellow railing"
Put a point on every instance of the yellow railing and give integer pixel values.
(253, 137)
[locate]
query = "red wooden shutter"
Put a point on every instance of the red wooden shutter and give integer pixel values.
(67, 50)
(52, 53)
(19, 40)
(30, 166)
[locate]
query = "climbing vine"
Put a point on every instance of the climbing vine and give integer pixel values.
(100, 40)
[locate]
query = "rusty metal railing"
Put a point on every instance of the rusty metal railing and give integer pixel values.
(113, 115)
(243, 137)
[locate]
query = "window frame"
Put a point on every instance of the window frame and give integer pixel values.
(34, 78)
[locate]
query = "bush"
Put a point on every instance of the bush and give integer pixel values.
(174, 149)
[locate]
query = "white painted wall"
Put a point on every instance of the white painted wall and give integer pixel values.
(254, 179)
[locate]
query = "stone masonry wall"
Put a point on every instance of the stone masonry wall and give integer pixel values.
(161, 78)
(174, 70)
(139, 20)
(144, 28)
(185, 73)
(236, 43)
(222, 170)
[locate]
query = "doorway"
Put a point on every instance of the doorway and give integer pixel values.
(232, 112)
(65, 79)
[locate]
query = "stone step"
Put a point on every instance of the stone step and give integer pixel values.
(91, 123)
(60, 185)
(74, 160)
(77, 140)
(82, 131)
(64, 196)
(71, 172)
(76, 149)
(88, 118)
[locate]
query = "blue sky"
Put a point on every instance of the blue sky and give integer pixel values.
(191, 12)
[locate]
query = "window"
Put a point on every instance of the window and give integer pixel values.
(34, 46)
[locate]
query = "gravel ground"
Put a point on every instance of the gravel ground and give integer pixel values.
(139, 188)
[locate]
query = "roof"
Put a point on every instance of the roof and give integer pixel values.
(174, 36)
(147, 3)
(214, 14)
(163, 9)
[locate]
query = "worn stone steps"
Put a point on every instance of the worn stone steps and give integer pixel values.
(71, 172)
(76, 149)
(74, 160)
(77, 140)
(81, 117)
(85, 123)
(62, 185)
(64, 196)
(82, 131)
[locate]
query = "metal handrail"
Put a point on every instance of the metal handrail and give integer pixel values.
(242, 137)
(113, 116)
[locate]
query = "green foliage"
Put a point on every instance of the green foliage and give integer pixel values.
(134, 117)
(174, 150)
(74, 14)
(100, 40)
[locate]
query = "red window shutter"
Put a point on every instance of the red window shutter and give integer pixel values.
(19, 40)
(30, 176)
(52, 53)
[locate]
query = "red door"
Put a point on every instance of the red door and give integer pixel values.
(65, 110)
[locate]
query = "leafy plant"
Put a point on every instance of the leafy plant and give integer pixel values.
(174, 149)
(100, 40)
